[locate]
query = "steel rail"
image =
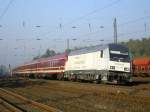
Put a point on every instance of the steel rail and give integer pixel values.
(10, 106)
(36, 104)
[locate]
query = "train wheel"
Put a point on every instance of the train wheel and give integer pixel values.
(96, 81)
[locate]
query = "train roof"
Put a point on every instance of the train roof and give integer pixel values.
(116, 47)
(88, 50)
(58, 56)
(141, 61)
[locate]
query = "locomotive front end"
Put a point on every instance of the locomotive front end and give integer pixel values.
(119, 64)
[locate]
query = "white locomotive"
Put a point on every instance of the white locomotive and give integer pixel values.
(101, 63)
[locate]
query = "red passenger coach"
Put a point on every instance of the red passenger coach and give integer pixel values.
(50, 67)
(141, 67)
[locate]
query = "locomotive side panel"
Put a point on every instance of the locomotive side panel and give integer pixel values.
(82, 62)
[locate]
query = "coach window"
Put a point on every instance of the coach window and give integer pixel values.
(146, 68)
(101, 53)
(143, 68)
(134, 67)
(54, 63)
(50, 64)
(139, 68)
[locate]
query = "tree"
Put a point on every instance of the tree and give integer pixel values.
(139, 48)
(48, 53)
(37, 57)
(68, 50)
(3, 70)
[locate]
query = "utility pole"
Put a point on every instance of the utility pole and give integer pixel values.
(68, 44)
(90, 27)
(39, 51)
(115, 30)
(60, 26)
(145, 27)
(10, 71)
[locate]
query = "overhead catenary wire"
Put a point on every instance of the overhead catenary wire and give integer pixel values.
(134, 32)
(131, 33)
(86, 15)
(120, 34)
(6, 9)
(134, 20)
(122, 24)
(94, 11)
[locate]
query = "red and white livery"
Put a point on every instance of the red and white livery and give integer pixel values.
(50, 66)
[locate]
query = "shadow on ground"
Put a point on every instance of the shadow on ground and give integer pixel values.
(19, 83)
(140, 82)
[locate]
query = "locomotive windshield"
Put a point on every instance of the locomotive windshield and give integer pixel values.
(122, 57)
(119, 53)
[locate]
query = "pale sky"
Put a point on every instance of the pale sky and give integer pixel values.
(29, 27)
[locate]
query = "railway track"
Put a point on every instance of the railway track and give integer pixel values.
(12, 102)
(7, 106)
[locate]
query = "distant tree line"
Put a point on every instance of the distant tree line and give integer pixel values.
(48, 53)
(139, 48)
(3, 70)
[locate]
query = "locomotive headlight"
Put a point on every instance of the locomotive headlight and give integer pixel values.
(126, 69)
(112, 67)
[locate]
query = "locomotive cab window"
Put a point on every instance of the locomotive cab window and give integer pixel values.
(118, 56)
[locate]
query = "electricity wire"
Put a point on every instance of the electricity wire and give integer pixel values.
(88, 14)
(6, 9)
